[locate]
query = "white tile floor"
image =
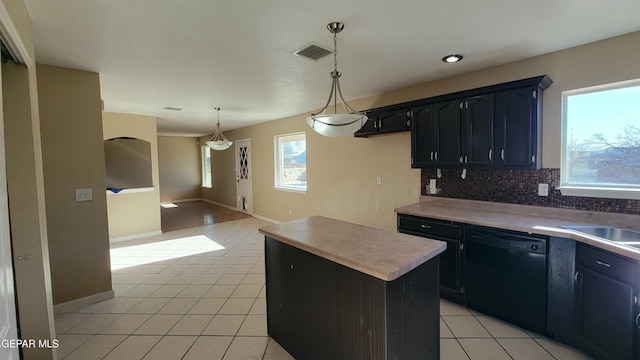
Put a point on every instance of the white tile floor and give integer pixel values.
(199, 294)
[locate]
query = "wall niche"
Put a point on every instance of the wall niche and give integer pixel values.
(128, 163)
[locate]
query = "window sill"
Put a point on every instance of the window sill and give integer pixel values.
(290, 189)
(611, 193)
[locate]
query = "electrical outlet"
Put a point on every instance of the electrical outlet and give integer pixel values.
(379, 180)
(84, 195)
(543, 189)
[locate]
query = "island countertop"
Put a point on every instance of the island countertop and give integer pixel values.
(382, 254)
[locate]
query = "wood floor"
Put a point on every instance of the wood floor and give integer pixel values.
(188, 214)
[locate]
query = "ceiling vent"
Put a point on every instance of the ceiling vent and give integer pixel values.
(172, 108)
(313, 52)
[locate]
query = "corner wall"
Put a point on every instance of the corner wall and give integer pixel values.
(71, 125)
(179, 168)
(131, 213)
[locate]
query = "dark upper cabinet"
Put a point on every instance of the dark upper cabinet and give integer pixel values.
(370, 127)
(477, 131)
(516, 124)
(386, 122)
(423, 128)
(493, 126)
(447, 120)
(436, 135)
(394, 121)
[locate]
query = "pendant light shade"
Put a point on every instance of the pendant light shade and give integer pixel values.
(218, 141)
(336, 124)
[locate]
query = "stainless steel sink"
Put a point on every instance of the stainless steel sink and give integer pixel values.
(620, 235)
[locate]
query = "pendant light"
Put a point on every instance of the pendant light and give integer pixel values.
(218, 141)
(335, 124)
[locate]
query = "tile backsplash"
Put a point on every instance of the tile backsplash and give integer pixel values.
(518, 187)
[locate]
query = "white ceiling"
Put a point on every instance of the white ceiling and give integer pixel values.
(238, 55)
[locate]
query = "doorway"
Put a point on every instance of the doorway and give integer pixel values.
(243, 176)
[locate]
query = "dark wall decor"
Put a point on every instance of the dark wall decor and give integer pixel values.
(518, 187)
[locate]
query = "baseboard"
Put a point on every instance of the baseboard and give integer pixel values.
(220, 204)
(266, 219)
(134, 236)
(232, 208)
(82, 302)
(179, 201)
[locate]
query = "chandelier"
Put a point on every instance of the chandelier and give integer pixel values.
(335, 124)
(217, 141)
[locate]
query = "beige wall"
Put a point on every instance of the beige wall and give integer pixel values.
(25, 184)
(134, 214)
(71, 125)
(341, 172)
(179, 168)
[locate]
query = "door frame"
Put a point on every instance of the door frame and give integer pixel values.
(244, 202)
(8, 313)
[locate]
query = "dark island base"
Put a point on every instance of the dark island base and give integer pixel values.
(318, 309)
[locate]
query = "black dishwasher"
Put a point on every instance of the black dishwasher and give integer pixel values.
(506, 276)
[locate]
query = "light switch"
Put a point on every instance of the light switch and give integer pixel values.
(379, 180)
(84, 194)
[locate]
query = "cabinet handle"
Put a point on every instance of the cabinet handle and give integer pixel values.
(502, 154)
(425, 226)
(380, 123)
(408, 122)
(436, 156)
(602, 263)
(461, 159)
(533, 159)
(375, 124)
(576, 277)
(638, 321)
(490, 153)
(466, 159)
(432, 156)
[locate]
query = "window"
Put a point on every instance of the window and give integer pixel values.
(290, 161)
(601, 141)
(206, 166)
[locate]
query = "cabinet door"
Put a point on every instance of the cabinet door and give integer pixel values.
(478, 131)
(451, 271)
(605, 315)
(394, 121)
(517, 128)
(370, 127)
(423, 140)
(447, 119)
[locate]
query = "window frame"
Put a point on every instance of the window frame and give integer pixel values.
(591, 190)
(203, 158)
(278, 164)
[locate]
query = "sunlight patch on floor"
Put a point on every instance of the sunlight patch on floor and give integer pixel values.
(127, 256)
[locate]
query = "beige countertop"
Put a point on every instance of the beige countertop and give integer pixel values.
(526, 218)
(382, 254)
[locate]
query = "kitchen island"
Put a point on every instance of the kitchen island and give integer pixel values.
(337, 290)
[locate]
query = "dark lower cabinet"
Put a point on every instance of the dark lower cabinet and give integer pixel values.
(451, 266)
(607, 307)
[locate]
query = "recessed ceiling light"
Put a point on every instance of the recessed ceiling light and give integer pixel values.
(452, 58)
